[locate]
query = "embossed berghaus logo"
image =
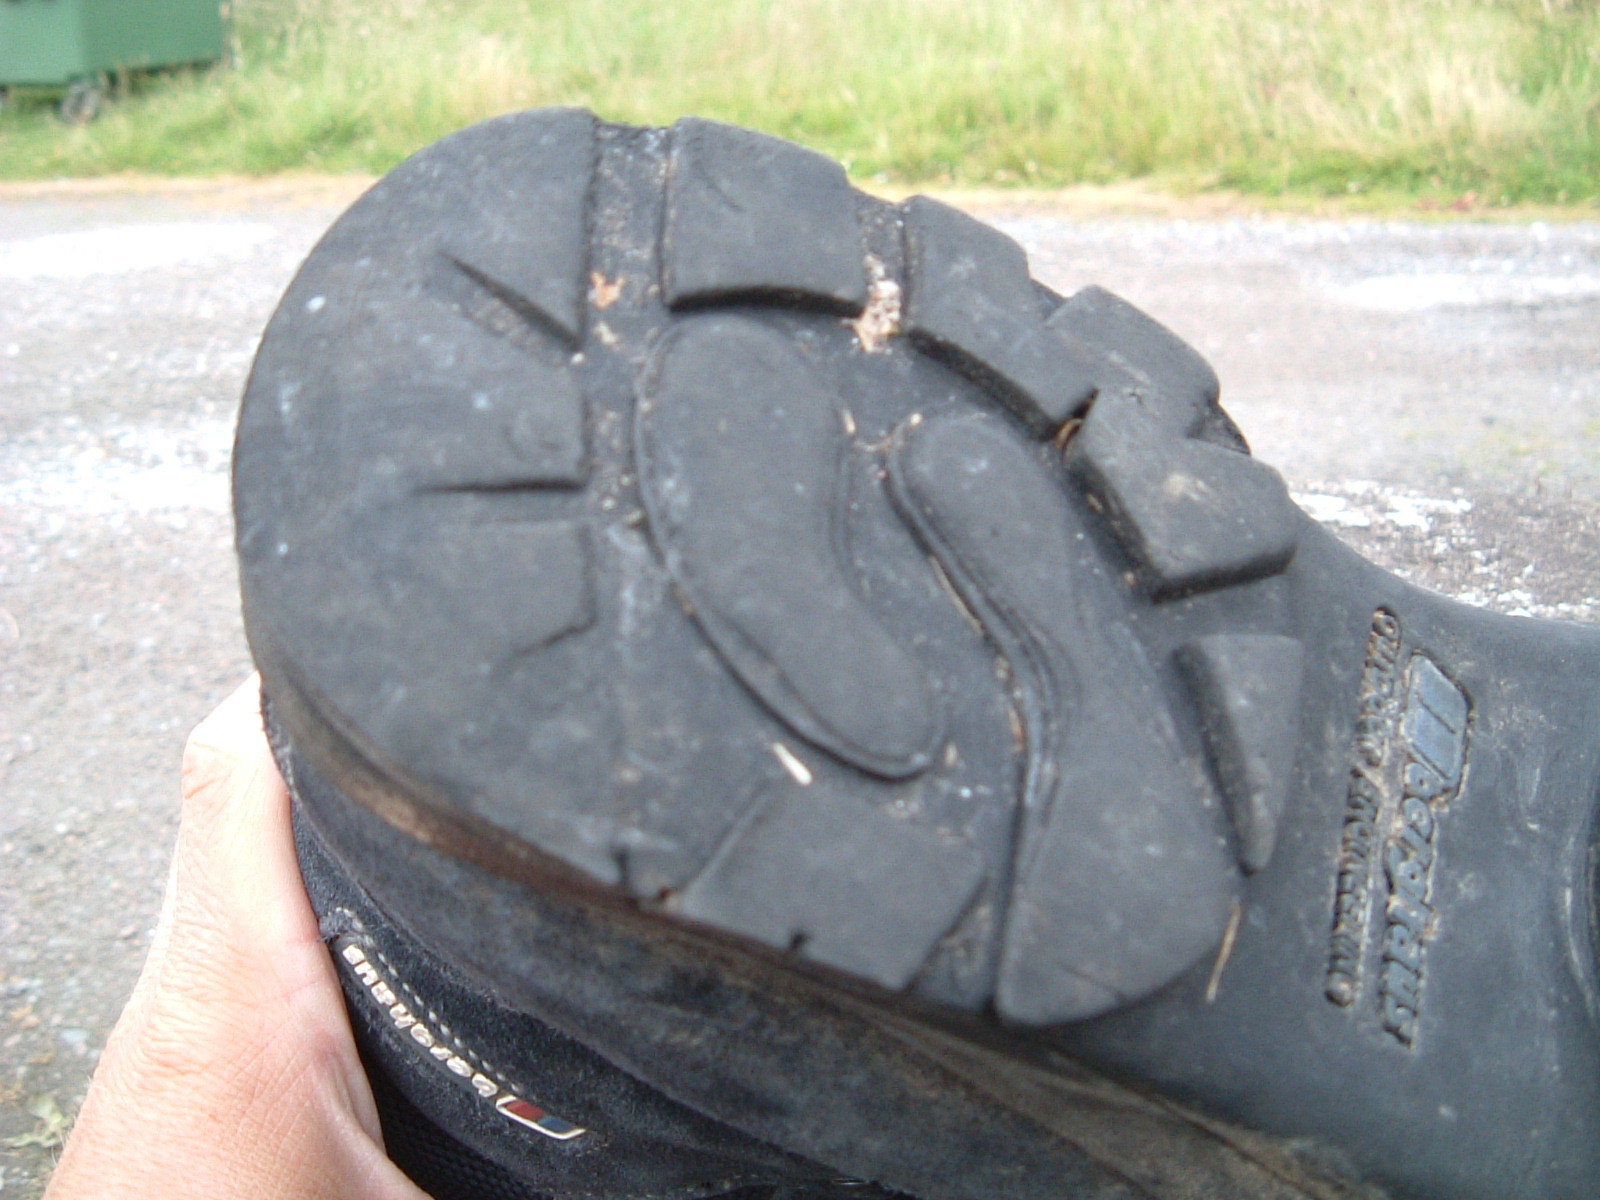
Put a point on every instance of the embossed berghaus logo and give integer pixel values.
(1409, 752)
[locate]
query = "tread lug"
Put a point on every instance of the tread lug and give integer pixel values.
(1184, 386)
(514, 425)
(515, 585)
(1192, 514)
(1248, 690)
(969, 299)
(754, 216)
(508, 202)
(740, 459)
(842, 883)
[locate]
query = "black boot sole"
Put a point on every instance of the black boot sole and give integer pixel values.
(650, 517)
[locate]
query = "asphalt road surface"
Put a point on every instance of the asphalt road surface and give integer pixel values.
(1432, 392)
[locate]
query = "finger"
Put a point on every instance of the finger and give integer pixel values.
(236, 857)
(240, 912)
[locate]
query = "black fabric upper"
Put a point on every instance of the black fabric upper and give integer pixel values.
(640, 1146)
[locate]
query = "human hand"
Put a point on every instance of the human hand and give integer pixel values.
(232, 1071)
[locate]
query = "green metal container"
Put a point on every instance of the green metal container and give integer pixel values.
(56, 42)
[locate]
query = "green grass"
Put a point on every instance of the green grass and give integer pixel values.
(1424, 98)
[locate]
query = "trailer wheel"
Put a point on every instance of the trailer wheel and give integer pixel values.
(82, 102)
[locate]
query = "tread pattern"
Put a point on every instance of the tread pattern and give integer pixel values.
(843, 883)
(1121, 884)
(1248, 689)
(634, 513)
(751, 216)
(971, 302)
(740, 463)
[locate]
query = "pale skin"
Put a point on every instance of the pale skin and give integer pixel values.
(232, 1071)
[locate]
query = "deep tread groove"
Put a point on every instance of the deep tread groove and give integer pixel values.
(500, 309)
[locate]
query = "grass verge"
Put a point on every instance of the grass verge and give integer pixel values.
(1431, 100)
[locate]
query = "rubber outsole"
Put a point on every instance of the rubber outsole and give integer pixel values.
(463, 470)
(793, 568)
